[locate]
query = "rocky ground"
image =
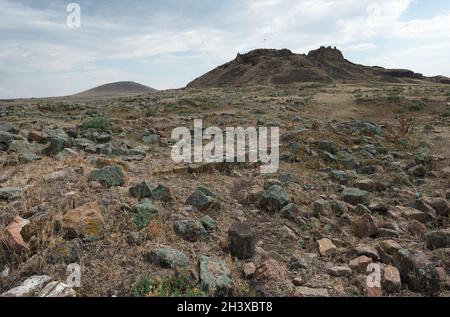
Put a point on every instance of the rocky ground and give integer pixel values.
(364, 178)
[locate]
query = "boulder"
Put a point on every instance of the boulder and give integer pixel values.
(190, 230)
(412, 214)
(10, 193)
(86, 222)
(142, 190)
(423, 206)
(241, 241)
(360, 264)
(326, 247)
(274, 199)
(167, 257)
(162, 193)
(5, 140)
(355, 196)
(203, 200)
(391, 280)
(365, 227)
(441, 206)
(215, 277)
(109, 176)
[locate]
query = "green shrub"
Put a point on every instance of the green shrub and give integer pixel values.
(99, 124)
(394, 95)
(141, 287)
(180, 284)
(417, 106)
(446, 113)
(143, 217)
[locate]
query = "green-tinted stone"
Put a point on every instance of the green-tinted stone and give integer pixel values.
(109, 176)
(167, 257)
(215, 278)
(274, 198)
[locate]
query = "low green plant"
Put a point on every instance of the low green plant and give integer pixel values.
(143, 217)
(446, 113)
(100, 124)
(417, 106)
(179, 284)
(141, 287)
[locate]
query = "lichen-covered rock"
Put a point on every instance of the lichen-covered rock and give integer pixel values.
(215, 277)
(292, 212)
(86, 222)
(5, 140)
(208, 223)
(142, 190)
(109, 176)
(274, 199)
(167, 257)
(423, 155)
(10, 193)
(416, 270)
(190, 230)
(203, 199)
(162, 193)
(355, 196)
(56, 144)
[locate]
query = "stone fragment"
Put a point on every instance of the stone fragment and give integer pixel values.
(326, 247)
(30, 287)
(13, 234)
(391, 281)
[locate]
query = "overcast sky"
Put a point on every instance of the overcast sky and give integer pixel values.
(168, 43)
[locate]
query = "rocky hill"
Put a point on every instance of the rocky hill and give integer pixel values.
(277, 67)
(123, 88)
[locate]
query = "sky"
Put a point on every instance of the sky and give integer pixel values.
(167, 43)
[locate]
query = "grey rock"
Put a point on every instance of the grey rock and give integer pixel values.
(242, 241)
(190, 230)
(167, 257)
(203, 199)
(109, 176)
(274, 198)
(10, 193)
(215, 277)
(142, 190)
(355, 196)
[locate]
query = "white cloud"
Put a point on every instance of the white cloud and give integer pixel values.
(37, 43)
(426, 59)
